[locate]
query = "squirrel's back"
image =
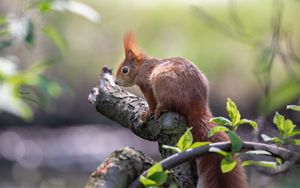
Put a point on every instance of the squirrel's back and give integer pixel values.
(179, 84)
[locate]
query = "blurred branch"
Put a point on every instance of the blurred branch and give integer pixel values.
(287, 156)
(289, 57)
(237, 32)
(236, 20)
(126, 109)
(276, 50)
(275, 46)
(291, 49)
(125, 164)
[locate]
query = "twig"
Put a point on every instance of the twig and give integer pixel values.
(288, 157)
(232, 6)
(291, 49)
(234, 33)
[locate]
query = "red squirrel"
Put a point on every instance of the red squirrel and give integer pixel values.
(177, 85)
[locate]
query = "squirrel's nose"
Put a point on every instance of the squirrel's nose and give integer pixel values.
(116, 82)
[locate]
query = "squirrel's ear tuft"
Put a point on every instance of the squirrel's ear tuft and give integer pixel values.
(130, 46)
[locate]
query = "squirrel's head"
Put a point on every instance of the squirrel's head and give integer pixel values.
(129, 68)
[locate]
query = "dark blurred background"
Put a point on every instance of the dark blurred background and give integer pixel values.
(51, 52)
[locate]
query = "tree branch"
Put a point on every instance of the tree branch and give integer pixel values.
(287, 156)
(119, 169)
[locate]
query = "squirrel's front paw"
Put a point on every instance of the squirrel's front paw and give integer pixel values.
(145, 115)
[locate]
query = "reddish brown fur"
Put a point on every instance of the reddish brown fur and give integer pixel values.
(177, 85)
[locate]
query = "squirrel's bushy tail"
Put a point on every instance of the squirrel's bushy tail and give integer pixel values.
(209, 166)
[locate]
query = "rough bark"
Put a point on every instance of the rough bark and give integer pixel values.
(119, 169)
(125, 108)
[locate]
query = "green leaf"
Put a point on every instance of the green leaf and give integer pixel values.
(57, 39)
(220, 121)
(285, 126)
(294, 133)
(218, 151)
(198, 144)
(233, 112)
(236, 142)
(277, 140)
(227, 166)
(293, 107)
(176, 149)
(260, 163)
(159, 177)
(155, 168)
(185, 141)
(278, 120)
(279, 160)
(13, 103)
(157, 174)
(296, 142)
(247, 121)
(288, 127)
(217, 129)
(45, 6)
(146, 182)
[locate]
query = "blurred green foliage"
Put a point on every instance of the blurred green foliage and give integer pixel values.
(254, 41)
(19, 87)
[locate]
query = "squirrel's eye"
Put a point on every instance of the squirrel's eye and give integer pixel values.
(125, 70)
